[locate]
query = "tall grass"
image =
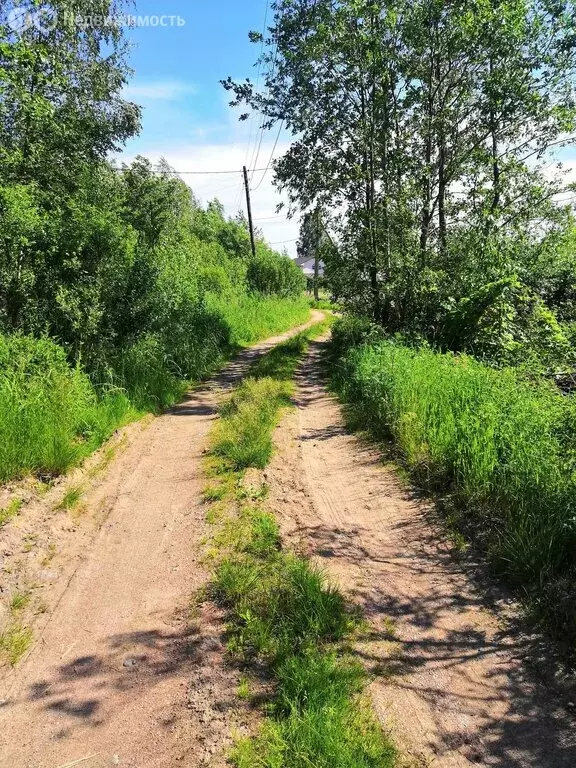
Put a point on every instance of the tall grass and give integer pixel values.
(50, 414)
(251, 316)
(504, 446)
(53, 414)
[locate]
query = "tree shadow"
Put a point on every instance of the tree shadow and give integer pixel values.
(131, 661)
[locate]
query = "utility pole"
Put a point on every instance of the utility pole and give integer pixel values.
(317, 241)
(249, 207)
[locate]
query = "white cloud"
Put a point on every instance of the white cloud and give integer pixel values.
(228, 187)
(157, 90)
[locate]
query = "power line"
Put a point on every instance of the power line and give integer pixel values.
(191, 173)
(209, 191)
(255, 159)
(197, 173)
(270, 158)
(280, 242)
(258, 73)
(269, 75)
(238, 196)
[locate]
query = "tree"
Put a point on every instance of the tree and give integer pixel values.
(424, 128)
(61, 113)
(310, 243)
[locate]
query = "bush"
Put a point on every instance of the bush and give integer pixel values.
(144, 290)
(352, 331)
(507, 323)
(269, 273)
(505, 447)
(50, 416)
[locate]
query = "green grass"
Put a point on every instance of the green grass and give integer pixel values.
(253, 317)
(10, 511)
(243, 436)
(71, 498)
(19, 601)
(279, 604)
(504, 447)
(320, 719)
(53, 415)
(244, 690)
(14, 642)
(281, 608)
(50, 414)
(325, 303)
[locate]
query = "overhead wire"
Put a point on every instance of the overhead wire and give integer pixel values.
(258, 73)
(280, 242)
(207, 191)
(192, 173)
(269, 75)
(270, 158)
(269, 218)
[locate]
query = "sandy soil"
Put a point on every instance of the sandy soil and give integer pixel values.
(449, 681)
(124, 670)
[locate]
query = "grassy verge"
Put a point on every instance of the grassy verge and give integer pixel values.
(282, 611)
(53, 415)
(251, 318)
(502, 447)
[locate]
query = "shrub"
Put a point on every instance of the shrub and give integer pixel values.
(352, 331)
(52, 414)
(144, 291)
(269, 273)
(507, 323)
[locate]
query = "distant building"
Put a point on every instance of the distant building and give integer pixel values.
(306, 264)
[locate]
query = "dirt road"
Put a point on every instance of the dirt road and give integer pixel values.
(123, 672)
(126, 672)
(448, 680)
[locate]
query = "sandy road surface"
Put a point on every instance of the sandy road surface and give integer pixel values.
(122, 674)
(450, 683)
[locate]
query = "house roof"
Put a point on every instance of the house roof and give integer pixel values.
(302, 260)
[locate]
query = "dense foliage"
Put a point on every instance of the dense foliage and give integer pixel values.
(116, 286)
(424, 139)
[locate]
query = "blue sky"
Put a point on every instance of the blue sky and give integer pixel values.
(186, 117)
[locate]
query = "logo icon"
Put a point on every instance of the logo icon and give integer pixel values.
(19, 20)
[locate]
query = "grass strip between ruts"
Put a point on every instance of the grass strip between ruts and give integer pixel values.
(281, 609)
